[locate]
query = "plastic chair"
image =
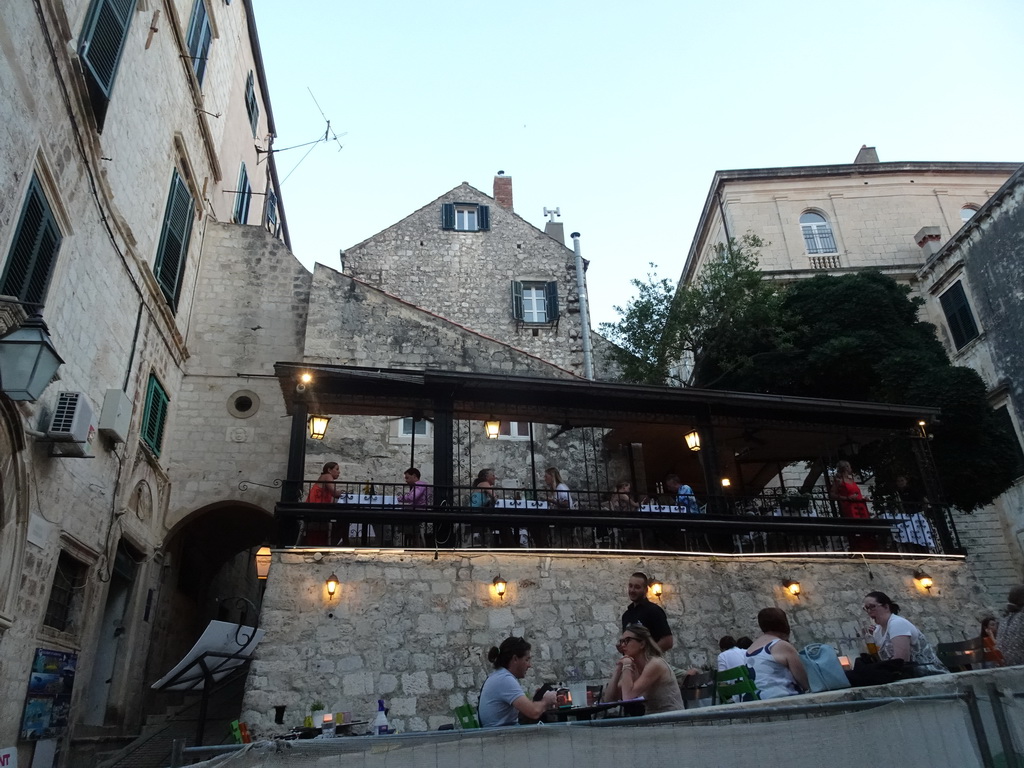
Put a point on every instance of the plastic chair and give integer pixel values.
(735, 682)
(466, 715)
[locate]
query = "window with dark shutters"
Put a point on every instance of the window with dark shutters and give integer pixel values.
(551, 297)
(251, 107)
(535, 302)
(199, 36)
(100, 48)
(958, 315)
(154, 416)
(177, 228)
(33, 253)
(243, 196)
(465, 217)
(1005, 423)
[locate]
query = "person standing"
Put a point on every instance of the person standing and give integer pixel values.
(645, 613)
(683, 496)
(325, 490)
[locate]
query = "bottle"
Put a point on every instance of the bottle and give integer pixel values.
(379, 727)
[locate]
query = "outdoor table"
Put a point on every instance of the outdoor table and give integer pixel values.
(562, 714)
(911, 529)
(674, 509)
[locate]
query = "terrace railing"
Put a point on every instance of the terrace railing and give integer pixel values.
(376, 515)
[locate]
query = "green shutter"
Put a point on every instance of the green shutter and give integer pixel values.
(34, 250)
(199, 36)
(154, 417)
(250, 104)
(551, 301)
(243, 196)
(958, 315)
(103, 39)
(447, 216)
(517, 300)
(177, 227)
(271, 213)
(483, 217)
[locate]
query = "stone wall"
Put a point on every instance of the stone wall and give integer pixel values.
(415, 630)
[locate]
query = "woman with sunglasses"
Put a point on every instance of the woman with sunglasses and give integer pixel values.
(502, 698)
(643, 672)
(897, 638)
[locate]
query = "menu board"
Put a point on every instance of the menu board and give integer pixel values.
(48, 703)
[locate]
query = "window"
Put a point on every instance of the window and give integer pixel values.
(170, 256)
(100, 48)
(817, 233)
(250, 104)
(243, 195)
(465, 217)
(270, 216)
(535, 302)
(199, 36)
(1005, 423)
(958, 315)
(65, 593)
(154, 417)
(514, 430)
(34, 250)
(967, 212)
(407, 428)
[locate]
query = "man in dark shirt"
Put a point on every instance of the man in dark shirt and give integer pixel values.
(642, 611)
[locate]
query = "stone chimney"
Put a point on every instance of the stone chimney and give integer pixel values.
(555, 230)
(929, 240)
(503, 190)
(866, 155)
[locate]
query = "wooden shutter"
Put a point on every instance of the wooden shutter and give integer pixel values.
(958, 315)
(243, 196)
(250, 104)
(103, 39)
(551, 301)
(199, 36)
(34, 250)
(483, 217)
(447, 216)
(517, 300)
(170, 258)
(155, 415)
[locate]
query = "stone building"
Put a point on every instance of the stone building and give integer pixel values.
(887, 216)
(971, 283)
(133, 134)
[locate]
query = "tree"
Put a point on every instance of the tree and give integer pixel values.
(714, 329)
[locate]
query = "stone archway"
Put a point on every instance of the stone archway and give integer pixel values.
(13, 508)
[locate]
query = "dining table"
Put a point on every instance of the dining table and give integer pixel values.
(586, 711)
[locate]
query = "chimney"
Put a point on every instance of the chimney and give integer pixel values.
(555, 230)
(503, 190)
(866, 155)
(929, 240)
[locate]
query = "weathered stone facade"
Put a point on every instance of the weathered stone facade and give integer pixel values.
(415, 630)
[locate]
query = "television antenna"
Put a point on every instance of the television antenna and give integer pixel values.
(329, 135)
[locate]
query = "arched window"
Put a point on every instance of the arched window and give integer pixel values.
(967, 212)
(817, 233)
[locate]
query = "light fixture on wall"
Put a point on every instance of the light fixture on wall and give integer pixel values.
(726, 482)
(922, 578)
(922, 428)
(493, 428)
(500, 585)
(263, 558)
(692, 440)
(318, 426)
(28, 360)
(793, 587)
(657, 588)
(332, 585)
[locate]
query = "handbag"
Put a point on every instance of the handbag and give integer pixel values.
(824, 672)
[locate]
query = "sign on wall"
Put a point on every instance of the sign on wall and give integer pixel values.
(48, 703)
(8, 757)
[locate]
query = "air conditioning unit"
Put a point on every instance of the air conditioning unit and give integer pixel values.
(72, 418)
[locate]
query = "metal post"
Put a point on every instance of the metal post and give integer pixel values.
(979, 728)
(581, 288)
(995, 697)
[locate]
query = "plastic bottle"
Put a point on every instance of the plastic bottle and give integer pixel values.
(380, 727)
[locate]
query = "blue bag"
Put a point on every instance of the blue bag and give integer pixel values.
(824, 672)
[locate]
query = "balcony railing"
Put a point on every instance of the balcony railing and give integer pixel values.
(388, 515)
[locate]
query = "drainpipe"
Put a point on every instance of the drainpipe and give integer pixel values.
(581, 287)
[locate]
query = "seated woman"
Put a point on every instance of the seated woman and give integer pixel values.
(483, 489)
(643, 672)
(1010, 640)
(897, 638)
(324, 491)
(622, 499)
(502, 698)
(774, 663)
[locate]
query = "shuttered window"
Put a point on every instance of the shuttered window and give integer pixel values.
(958, 315)
(199, 36)
(242, 197)
(270, 219)
(33, 253)
(100, 48)
(251, 107)
(465, 217)
(154, 417)
(1005, 423)
(535, 302)
(170, 258)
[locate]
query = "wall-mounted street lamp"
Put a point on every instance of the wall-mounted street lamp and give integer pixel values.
(500, 585)
(28, 360)
(263, 558)
(332, 585)
(692, 440)
(793, 587)
(318, 426)
(657, 588)
(492, 428)
(922, 578)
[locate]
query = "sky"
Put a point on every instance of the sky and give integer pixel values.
(617, 113)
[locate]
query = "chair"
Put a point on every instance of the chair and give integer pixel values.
(698, 690)
(466, 715)
(735, 682)
(962, 656)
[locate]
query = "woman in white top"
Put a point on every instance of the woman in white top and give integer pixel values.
(897, 638)
(773, 662)
(561, 498)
